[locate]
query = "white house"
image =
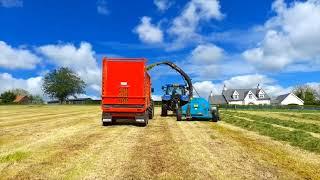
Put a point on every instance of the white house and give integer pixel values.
(253, 96)
(287, 99)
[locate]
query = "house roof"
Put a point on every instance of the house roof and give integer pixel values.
(19, 98)
(282, 97)
(243, 93)
(217, 99)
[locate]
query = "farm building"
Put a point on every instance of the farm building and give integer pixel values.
(254, 96)
(287, 99)
(22, 99)
(77, 101)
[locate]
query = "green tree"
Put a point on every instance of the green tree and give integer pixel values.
(8, 97)
(61, 83)
(307, 94)
(36, 99)
(20, 92)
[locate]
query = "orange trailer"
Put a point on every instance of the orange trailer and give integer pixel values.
(126, 91)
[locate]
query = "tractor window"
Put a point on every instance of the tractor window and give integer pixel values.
(175, 90)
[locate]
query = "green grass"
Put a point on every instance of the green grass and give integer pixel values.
(14, 157)
(286, 123)
(296, 138)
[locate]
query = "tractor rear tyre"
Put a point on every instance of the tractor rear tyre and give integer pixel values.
(151, 110)
(179, 114)
(164, 111)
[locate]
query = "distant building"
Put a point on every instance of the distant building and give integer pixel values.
(287, 99)
(22, 99)
(254, 96)
(76, 101)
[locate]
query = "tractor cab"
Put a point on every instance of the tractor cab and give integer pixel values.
(175, 95)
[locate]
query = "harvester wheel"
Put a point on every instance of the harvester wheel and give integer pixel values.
(179, 114)
(164, 111)
(215, 118)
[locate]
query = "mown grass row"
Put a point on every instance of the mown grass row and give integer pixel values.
(286, 123)
(315, 117)
(296, 138)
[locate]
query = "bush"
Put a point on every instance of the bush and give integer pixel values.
(7, 97)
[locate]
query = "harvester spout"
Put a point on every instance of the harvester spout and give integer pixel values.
(179, 70)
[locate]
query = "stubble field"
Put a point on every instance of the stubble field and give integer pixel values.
(68, 142)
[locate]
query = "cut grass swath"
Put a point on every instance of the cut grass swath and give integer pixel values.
(286, 123)
(315, 117)
(295, 138)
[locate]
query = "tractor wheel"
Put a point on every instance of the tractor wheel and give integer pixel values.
(164, 111)
(151, 110)
(179, 114)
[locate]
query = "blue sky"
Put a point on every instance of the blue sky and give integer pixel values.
(237, 43)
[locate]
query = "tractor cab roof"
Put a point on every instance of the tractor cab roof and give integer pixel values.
(175, 85)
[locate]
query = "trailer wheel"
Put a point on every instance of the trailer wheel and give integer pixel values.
(179, 114)
(106, 123)
(164, 111)
(146, 120)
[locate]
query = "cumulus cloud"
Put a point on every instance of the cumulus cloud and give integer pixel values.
(11, 3)
(207, 54)
(162, 5)
(291, 37)
(32, 85)
(184, 27)
(17, 58)
(156, 97)
(204, 88)
(247, 81)
(79, 59)
(102, 7)
(148, 32)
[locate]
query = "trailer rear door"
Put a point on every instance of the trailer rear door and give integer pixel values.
(123, 82)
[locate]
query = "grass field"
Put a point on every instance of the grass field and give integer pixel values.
(68, 142)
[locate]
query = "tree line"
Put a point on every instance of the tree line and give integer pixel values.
(310, 95)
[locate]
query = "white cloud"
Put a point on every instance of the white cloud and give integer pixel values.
(292, 36)
(102, 7)
(184, 27)
(148, 32)
(17, 58)
(11, 3)
(247, 81)
(204, 88)
(162, 5)
(32, 85)
(81, 60)
(207, 54)
(156, 97)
